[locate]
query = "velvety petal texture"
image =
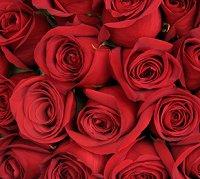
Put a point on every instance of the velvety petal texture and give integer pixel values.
(19, 32)
(145, 68)
(107, 123)
(7, 122)
(72, 161)
(4, 64)
(134, 18)
(71, 57)
(174, 114)
(181, 16)
(99, 89)
(187, 158)
(40, 110)
(86, 11)
(13, 165)
(189, 56)
(138, 161)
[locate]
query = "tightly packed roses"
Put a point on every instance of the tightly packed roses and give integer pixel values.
(99, 89)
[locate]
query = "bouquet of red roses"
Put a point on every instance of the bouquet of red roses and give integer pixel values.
(99, 89)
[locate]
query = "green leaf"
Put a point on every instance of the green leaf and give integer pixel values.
(109, 44)
(165, 27)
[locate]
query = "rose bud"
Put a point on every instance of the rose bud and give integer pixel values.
(20, 158)
(86, 11)
(40, 110)
(187, 157)
(139, 161)
(107, 123)
(126, 20)
(145, 68)
(189, 55)
(181, 16)
(72, 161)
(174, 114)
(68, 56)
(7, 121)
(19, 32)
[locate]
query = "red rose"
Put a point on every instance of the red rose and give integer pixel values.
(19, 32)
(68, 56)
(138, 161)
(7, 121)
(86, 11)
(127, 20)
(197, 24)
(20, 158)
(174, 114)
(4, 65)
(40, 110)
(107, 123)
(145, 68)
(181, 15)
(16, 78)
(189, 55)
(71, 161)
(187, 157)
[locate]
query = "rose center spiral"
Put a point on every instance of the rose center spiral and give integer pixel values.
(9, 23)
(67, 166)
(12, 167)
(69, 58)
(100, 123)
